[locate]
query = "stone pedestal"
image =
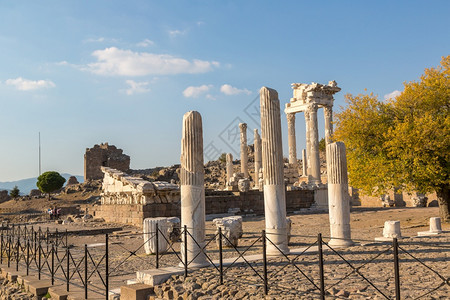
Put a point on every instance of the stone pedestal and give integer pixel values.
(391, 230)
(435, 228)
(272, 158)
(149, 229)
(258, 157)
(338, 197)
(192, 188)
(291, 139)
(244, 153)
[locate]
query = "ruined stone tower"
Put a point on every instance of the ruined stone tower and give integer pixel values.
(106, 156)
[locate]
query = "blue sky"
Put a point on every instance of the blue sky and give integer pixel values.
(87, 72)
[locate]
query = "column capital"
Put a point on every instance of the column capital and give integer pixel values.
(328, 110)
(243, 126)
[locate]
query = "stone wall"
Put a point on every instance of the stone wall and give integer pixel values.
(403, 199)
(217, 202)
(106, 156)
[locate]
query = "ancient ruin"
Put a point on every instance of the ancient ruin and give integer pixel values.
(272, 159)
(258, 157)
(338, 197)
(308, 98)
(244, 151)
(192, 188)
(104, 155)
(129, 200)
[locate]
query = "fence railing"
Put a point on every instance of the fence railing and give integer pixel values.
(48, 253)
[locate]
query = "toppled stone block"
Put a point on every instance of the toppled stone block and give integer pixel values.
(168, 230)
(244, 185)
(231, 230)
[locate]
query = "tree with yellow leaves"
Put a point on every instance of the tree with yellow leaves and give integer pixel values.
(404, 142)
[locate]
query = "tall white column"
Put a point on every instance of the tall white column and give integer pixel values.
(291, 139)
(304, 164)
(244, 153)
(338, 197)
(272, 159)
(192, 188)
(314, 144)
(308, 143)
(328, 116)
(229, 167)
(258, 157)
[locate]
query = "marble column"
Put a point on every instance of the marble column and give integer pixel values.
(244, 153)
(314, 145)
(272, 159)
(328, 116)
(291, 139)
(229, 167)
(304, 164)
(258, 157)
(192, 188)
(308, 143)
(338, 197)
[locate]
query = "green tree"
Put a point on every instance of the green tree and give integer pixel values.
(223, 158)
(322, 145)
(403, 142)
(49, 182)
(15, 192)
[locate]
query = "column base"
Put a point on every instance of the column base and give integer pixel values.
(341, 243)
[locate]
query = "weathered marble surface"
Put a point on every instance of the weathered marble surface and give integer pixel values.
(272, 158)
(192, 188)
(338, 197)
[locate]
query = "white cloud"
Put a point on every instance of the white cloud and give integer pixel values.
(145, 43)
(196, 91)
(175, 33)
(28, 85)
(114, 61)
(230, 90)
(392, 95)
(137, 87)
(92, 40)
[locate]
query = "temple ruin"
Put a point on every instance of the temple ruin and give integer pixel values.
(104, 155)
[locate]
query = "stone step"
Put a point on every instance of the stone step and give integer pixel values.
(137, 291)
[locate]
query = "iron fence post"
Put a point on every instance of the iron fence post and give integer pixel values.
(107, 267)
(185, 253)
(264, 245)
(53, 264)
(67, 240)
(68, 267)
(9, 251)
(39, 257)
(322, 279)
(1, 247)
(28, 255)
(220, 256)
(17, 252)
(396, 269)
(85, 271)
(157, 246)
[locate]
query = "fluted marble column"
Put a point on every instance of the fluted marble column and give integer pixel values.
(291, 139)
(258, 157)
(338, 197)
(308, 143)
(192, 188)
(314, 145)
(229, 167)
(328, 116)
(304, 163)
(244, 153)
(272, 159)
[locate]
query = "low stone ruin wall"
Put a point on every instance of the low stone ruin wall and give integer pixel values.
(216, 203)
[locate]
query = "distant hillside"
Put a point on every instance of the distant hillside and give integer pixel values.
(26, 185)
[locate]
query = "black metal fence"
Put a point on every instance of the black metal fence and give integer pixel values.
(48, 253)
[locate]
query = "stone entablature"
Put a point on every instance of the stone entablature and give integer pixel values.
(121, 188)
(317, 93)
